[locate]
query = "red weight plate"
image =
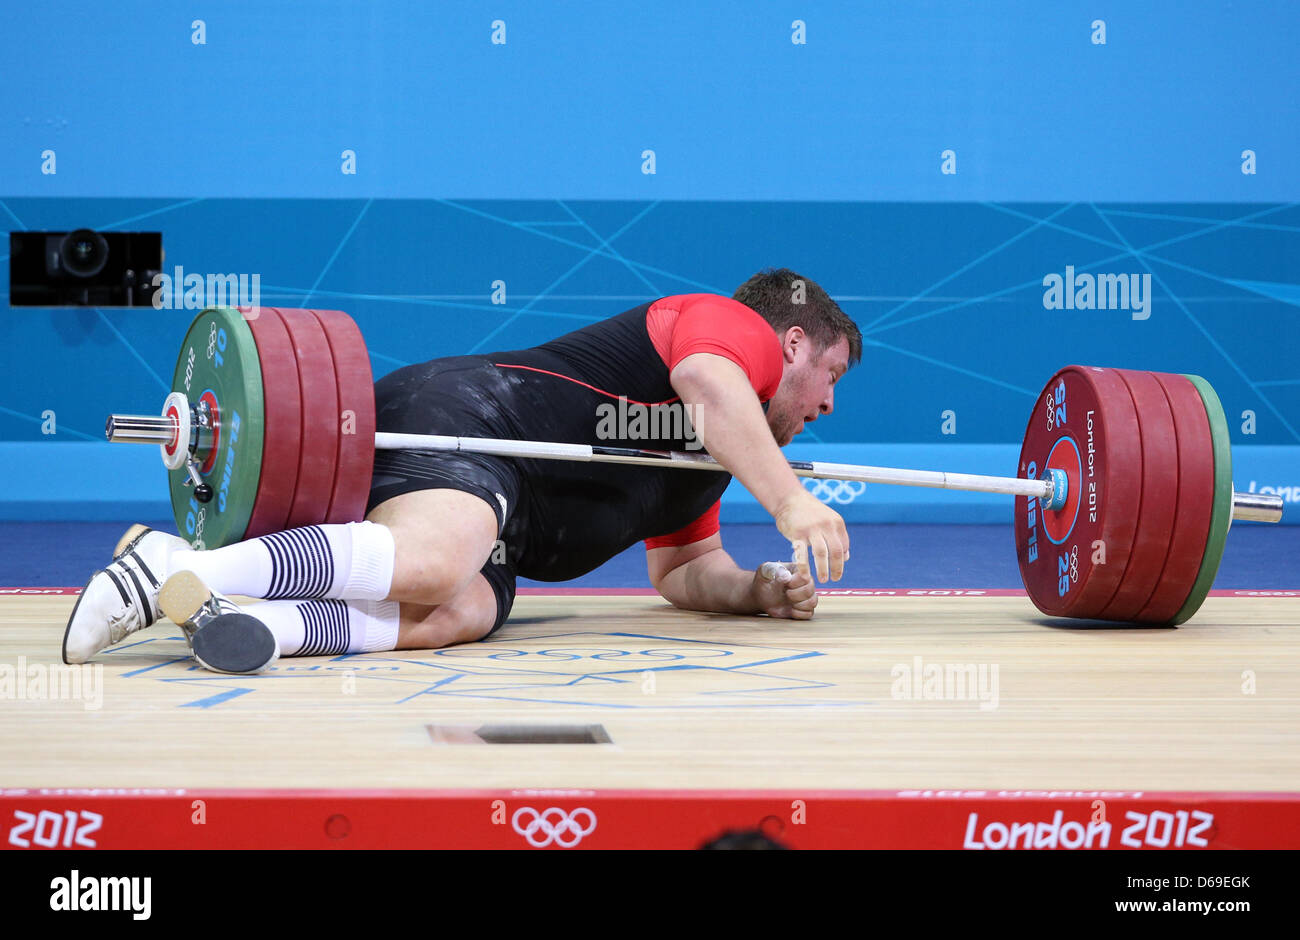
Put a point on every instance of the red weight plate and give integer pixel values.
(1085, 424)
(356, 407)
(1159, 480)
(320, 419)
(283, 429)
(1195, 500)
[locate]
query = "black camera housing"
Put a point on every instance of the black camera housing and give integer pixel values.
(83, 268)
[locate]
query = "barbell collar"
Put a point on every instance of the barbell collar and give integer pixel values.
(139, 429)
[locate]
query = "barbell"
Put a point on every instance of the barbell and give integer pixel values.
(1123, 497)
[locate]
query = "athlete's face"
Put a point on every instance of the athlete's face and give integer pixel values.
(807, 389)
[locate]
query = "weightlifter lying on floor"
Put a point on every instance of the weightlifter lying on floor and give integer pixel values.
(446, 534)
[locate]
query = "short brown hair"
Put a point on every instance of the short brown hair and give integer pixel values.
(771, 294)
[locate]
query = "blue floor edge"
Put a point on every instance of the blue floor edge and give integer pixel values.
(63, 554)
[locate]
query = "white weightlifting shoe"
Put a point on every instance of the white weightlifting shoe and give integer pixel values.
(122, 598)
(223, 637)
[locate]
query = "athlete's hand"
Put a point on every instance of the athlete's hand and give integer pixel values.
(781, 592)
(811, 525)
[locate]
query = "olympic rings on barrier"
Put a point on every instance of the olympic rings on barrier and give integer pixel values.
(835, 491)
(554, 825)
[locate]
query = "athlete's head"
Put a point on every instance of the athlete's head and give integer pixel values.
(818, 341)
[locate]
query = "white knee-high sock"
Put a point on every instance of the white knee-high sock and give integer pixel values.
(329, 627)
(351, 560)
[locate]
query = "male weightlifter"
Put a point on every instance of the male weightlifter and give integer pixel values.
(447, 533)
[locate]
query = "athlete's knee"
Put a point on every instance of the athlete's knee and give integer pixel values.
(468, 617)
(442, 539)
(431, 575)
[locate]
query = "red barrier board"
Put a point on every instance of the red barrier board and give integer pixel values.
(643, 819)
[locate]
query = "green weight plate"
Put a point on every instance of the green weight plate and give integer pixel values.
(219, 364)
(1222, 514)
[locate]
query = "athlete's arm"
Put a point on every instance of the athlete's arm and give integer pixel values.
(731, 426)
(702, 576)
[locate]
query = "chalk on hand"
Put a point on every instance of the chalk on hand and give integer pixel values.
(775, 571)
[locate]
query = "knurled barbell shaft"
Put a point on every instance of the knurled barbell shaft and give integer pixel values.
(1245, 506)
(144, 429)
(1015, 486)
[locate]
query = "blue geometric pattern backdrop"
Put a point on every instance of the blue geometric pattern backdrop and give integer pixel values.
(465, 179)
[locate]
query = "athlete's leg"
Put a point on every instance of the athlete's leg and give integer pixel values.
(421, 546)
(329, 627)
(333, 627)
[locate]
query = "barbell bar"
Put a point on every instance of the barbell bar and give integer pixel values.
(1052, 492)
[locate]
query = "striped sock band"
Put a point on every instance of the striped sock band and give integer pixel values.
(330, 627)
(325, 628)
(302, 562)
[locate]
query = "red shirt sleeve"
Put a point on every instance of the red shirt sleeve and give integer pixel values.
(692, 323)
(697, 531)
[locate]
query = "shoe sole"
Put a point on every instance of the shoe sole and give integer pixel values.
(182, 595)
(127, 541)
(231, 643)
(235, 643)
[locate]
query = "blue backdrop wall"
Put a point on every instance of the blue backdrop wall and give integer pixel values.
(470, 177)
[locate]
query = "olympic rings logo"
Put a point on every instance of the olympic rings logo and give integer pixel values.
(1051, 411)
(553, 825)
(835, 491)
